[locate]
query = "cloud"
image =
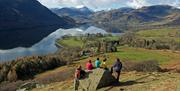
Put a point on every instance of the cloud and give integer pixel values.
(108, 4)
(93, 4)
(137, 3)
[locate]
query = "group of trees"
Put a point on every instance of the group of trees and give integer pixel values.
(24, 68)
(133, 40)
(93, 44)
(100, 43)
(70, 54)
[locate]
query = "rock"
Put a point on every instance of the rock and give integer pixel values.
(96, 79)
(28, 86)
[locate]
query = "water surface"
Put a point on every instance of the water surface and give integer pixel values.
(46, 45)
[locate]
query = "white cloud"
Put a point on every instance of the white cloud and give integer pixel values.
(93, 4)
(107, 4)
(177, 4)
(137, 3)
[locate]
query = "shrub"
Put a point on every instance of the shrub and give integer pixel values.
(10, 86)
(27, 67)
(12, 76)
(70, 54)
(145, 66)
(162, 46)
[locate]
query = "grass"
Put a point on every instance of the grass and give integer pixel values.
(111, 38)
(134, 54)
(157, 80)
(158, 33)
(71, 42)
(130, 81)
(138, 54)
(75, 41)
(161, 34)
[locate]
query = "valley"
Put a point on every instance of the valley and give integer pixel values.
(43, 42)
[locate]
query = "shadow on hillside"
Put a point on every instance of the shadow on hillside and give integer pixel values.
(127, 83)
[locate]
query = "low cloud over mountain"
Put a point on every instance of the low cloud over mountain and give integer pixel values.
(108, 4)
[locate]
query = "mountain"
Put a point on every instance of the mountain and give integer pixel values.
(79, 14)
(123, 19)
(125, 9)
(25, 22)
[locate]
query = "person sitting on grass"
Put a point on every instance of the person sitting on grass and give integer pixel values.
(104, 65)
(97, 63)
(89, 65)
(117, 68)
(79, 74)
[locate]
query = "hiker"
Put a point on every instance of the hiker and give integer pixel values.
(104, 65)
(79, 74)
(97, 63)
(89, 65)
(117, 68)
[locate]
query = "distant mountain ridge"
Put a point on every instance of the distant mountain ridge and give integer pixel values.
(123, 19)
(27, 13)
(25, 22)
(79, 14)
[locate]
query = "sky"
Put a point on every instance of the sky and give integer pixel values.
(107, 4)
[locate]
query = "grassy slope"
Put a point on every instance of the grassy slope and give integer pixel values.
(140, 54)
(135, 54)
(70, 42)
(161, 34)
(130, 80)
(76, 41)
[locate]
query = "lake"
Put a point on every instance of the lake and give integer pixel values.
(46, 45)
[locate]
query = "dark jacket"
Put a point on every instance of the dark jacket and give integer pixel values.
(117, 66)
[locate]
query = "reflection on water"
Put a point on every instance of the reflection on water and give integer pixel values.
(45, 46)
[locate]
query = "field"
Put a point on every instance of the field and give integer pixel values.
(135, 54)
(75, 41)
(161, 34)
(130, 81)
(71, 42)
(61, 79)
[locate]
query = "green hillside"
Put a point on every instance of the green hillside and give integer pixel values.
(161, 34)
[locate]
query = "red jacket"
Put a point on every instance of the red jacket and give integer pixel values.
(89, 66)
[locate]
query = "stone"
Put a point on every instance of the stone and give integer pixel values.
(28, 86)
(96, 79)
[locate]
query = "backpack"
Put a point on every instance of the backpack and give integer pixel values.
(78, 74)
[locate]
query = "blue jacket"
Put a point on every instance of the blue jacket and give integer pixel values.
(97, 63)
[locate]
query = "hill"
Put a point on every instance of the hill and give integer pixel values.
(141, 67)
(27, 18)
(130, 81)
(79, 14)
(150, 17)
